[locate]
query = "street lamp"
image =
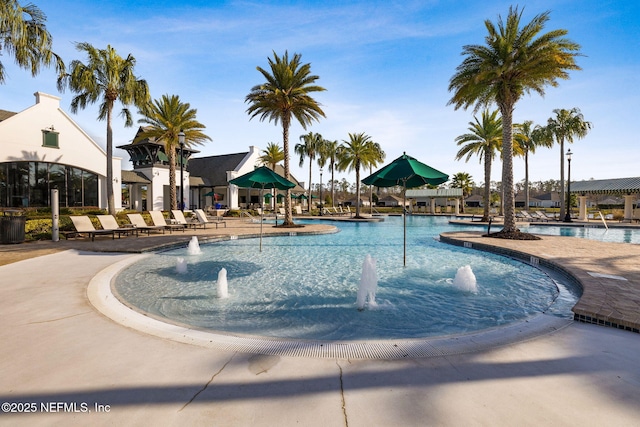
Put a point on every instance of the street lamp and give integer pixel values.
(567, 217)
(320, 191)
(181, 142)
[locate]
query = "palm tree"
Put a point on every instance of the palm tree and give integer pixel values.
(107, 77)
(377, 157)
(271, 156)
(310, 147)
(24, 35)
(566, 125)
(484, 140)
(284, 96)
(464, 181)
(353, 154)
(526, 139)
(165, 119)
(514, 62)
(329, 153)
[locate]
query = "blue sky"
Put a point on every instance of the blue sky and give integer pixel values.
(386, 66)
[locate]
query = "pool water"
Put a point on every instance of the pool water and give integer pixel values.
(305, 287)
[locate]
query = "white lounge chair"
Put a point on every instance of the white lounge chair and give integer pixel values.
(178, 215)
(202, 217)
(108, 222)
(158, 219)
(83, 225)
(141, 225)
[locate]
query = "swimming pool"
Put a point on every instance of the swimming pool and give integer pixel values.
(304, 287)
(586, 231)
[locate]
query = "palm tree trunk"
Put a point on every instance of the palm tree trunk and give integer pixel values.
(171, 154)
(333, 200)
(526, 179)
(487, 185)
(310, 199)
(110, 198)
(288, 216)
(507, 169)
(358, 190)
(562, 189)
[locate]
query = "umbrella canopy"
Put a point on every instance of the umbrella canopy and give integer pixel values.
(262, 178)
(408, 173)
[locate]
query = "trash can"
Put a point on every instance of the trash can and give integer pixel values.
(12, 224)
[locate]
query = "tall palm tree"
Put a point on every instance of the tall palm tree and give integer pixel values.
(464, 181)
(354, 154)
(515, 61)
(329, 154)
(107, 77)
(165, 119)
(271, 156)
(282, 97)
(310, 147)
(526, 139)
(484, 140)
(377, 157)
(24, 35)
(566, 125)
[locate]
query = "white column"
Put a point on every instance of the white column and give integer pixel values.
(457, 206)
(432, 206)
(628, 206)
(582, 202)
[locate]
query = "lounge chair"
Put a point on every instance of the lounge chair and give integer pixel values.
(158, 220)
(202, 217)
(249, 217)
(108, 222)
(141, 225)
(298, 210)
(83, 225)
(541, 216)
(178, 215)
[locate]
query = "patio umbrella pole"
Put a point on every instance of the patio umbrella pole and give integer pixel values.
(404, 219)
(261, 216)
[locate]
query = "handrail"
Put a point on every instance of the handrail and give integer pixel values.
(603, 221)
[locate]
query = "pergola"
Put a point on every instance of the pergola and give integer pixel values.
(628, 187)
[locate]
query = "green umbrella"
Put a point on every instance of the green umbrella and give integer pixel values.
(262, 178)
(408, 173)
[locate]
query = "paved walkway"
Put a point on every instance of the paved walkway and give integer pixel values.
(60, 354)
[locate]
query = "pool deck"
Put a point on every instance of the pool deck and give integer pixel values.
(57, 348)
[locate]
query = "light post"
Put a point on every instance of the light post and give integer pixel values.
(567, 217)
(181, 142)
(320, 191)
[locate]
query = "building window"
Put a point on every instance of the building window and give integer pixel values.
(50, 138)
(29, 184)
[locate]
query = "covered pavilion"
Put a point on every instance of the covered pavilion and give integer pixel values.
(627, 187)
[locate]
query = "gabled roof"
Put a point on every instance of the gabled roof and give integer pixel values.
(213, 169)
(607, 186)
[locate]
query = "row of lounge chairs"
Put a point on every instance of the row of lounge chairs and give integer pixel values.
(538, 216)
(110, 226)
(336, 210)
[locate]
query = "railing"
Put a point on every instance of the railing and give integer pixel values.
(603, 221)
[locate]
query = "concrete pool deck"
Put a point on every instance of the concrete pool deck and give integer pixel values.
(58, 349)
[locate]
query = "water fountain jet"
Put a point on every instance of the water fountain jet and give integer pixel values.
(194, 247)
(181, 266)
(465, 280)
(223, 288)
(368, 284)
